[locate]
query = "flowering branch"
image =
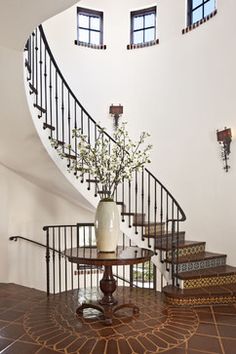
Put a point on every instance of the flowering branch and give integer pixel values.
(107, 161)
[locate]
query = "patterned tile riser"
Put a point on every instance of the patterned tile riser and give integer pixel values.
(196, 265)
(208, 300)
(209, 281)
(188, 251)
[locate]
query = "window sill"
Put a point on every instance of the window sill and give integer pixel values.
(198, 23)
(143, 45)
(89, 45)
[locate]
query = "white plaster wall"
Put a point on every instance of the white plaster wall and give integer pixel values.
(181, 91)
(47, 197)
(25, 208)
(18, 18)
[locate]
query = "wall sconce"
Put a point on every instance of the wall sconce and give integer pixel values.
(224, 137)
(116, 112)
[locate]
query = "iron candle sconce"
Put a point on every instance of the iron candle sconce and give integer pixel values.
(116, 112)
(224, 138)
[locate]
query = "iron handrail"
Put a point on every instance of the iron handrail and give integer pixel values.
(15, 238)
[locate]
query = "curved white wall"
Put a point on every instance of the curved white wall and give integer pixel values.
(181, 91)
(32, 190)
(25, 209)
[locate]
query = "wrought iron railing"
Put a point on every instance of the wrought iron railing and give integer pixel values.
(150, 208)
(62, 275)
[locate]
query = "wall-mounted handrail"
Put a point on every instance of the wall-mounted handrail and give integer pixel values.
(15, 238)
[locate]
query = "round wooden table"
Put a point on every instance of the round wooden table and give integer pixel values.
(123, 256)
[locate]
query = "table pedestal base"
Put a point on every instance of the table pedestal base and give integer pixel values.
(107, 310)
(107, 304)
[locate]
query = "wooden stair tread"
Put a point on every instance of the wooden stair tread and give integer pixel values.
(151, 224)
(218, 290)
(104, 192)
(182, 244)
(132, 213)
(197, 257)
(91, 180)
(159, 235)
(48, 126)
(41, 109)
(208, 272)
(120, 203)
(126, 213)
(71, 157)
(27, 65)
(33, 89)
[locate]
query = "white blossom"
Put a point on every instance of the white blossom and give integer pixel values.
(107, 161)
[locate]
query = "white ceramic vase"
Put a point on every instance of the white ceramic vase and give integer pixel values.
(107, 225)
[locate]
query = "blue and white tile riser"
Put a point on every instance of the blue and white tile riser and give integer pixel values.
(196, 265)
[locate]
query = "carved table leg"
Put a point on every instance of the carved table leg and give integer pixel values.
(108, 286)
(129, 305)
(88, 306)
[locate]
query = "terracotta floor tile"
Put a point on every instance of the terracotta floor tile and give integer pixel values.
(5, 343)
(208, 329)
(65, 342)
(158, 341)
(3, 324)
(148, 344)
(21, 347)
(112, 347)
(203, 309)
(10, 315)
(225, 319)
(228, 309)
(205, 317)
(75, 346)
(167, 338)
(229, 345)
(13, 331)
(200, 342)
(227, 331)
(88, 346)
(47, 351)
(136, 346)
(26, 338)
(177, 351)
(99, 347)
(123, 329)
(124, 346)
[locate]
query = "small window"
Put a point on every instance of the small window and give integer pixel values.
(89, 27)
(143, 26)
(199, 9)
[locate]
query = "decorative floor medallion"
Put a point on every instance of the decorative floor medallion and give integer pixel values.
(156, 328)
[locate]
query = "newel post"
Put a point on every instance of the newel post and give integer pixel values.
(47, 260)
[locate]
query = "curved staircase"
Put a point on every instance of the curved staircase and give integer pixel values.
(151, 216)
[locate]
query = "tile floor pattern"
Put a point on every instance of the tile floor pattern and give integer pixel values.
(29, 323)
